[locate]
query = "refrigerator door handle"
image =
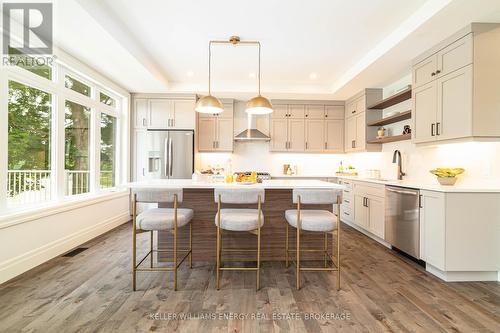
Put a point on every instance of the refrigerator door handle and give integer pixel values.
(171, 153)
(166, 157)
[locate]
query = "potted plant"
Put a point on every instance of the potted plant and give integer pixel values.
(447, 176)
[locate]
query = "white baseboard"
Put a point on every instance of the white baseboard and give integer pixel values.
(367, 233)
(20, 264)
(450, 276)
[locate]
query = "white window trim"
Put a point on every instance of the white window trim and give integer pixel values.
(60, 94)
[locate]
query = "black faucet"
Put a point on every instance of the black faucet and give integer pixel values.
(396, 158)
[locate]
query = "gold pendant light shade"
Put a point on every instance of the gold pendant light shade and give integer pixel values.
(259, 105)
(209, 104)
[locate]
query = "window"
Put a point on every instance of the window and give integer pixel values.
(17, 58)
(108, 151)
(76, 85)
(29, 146)
(59, 137)
(77, 148)
(107, 100)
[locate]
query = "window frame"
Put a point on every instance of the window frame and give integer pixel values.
(55, 86)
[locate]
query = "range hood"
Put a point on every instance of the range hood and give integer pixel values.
(251, 133)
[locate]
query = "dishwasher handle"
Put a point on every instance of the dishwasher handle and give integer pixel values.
(401, 191)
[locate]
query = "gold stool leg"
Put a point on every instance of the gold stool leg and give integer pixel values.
(134, 243)
(297, 273)
(218, 256)
(258, 259)
(151, 248)
(338, 243)
(190, 245)
(286, 246)
(325, 249)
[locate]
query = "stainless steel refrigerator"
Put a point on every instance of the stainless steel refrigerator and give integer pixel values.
(170, 154)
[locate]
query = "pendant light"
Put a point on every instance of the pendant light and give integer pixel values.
(259, 104)
(209, 103)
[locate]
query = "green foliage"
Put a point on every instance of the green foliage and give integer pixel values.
(28, 128)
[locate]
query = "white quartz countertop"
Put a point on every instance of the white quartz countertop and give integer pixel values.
(286, 184)
(479, 187)
(484, 186)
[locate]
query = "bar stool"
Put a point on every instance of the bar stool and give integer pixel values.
(318, 221)
(160, 219)
(238, 219)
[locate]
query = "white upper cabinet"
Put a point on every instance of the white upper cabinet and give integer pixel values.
(315, 135)
(357, 116)
(215, 132)
(453, 96)
(141, 108)
(163, 112)
(314, 127)
(315, 111)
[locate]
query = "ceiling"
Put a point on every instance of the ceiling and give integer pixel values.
(319, 48)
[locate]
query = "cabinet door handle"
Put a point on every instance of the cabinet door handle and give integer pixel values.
(307, 145)
(433, 73)
(366, 202)
(143, 121)
(326, 116)
(326, 145)
(307, 115)
(353, 111)
(346, 213)
(143, 172)
(432, 129)
(420, 201)
(438, 71)
(213, 144)
(437, 128)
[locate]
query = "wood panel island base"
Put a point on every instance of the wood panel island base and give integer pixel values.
(277, 201)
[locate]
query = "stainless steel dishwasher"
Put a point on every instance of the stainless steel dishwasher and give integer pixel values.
(402, 214)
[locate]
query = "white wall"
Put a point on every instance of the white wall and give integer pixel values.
(480, 159)
(30, 240)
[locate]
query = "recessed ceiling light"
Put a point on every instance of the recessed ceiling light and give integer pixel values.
(189, 73)
(251, 74)
(313, 76)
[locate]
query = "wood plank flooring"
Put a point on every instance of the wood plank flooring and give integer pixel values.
(381, 292)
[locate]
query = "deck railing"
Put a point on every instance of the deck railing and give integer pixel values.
(32, 186)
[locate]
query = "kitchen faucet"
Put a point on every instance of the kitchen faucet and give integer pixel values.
(397, 157)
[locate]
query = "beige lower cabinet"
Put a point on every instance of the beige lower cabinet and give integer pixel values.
(455, 244)
(369, 207)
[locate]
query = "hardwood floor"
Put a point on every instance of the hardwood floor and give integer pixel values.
(381, 291)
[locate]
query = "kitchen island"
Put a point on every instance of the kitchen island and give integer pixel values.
(199, 196)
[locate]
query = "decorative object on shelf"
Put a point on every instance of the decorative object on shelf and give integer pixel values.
(447, 176)
(406, 129)
(380, 133)
(285, 168)
(210, 104)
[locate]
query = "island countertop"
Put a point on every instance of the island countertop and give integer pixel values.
(278, 184)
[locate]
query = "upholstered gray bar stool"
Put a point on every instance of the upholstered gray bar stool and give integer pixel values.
(238, 219)
(318, 221)
(160, 219)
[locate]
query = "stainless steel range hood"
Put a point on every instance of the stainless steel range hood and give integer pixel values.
(251, 133)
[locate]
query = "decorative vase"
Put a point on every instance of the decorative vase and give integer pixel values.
(447, 180)
(380, 132)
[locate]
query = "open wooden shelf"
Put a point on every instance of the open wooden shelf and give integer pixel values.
(393, 138)
(393, 100)
(392, 119)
